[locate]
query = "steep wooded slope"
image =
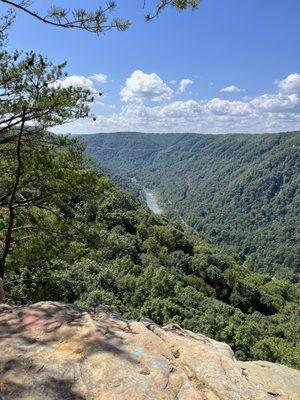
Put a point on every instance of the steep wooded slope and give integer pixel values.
(237, 190)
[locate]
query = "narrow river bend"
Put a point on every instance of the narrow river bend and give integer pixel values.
(151, 200)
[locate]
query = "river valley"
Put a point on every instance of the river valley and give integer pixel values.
(152, 202)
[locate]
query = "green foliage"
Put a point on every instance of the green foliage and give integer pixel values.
(240, 191)
(30, 91)
(33, 164)
(104, 247)
(178, 4)
(95, 21)
(67, 234)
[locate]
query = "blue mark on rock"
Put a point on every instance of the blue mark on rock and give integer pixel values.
(138, 352)
(159, 364)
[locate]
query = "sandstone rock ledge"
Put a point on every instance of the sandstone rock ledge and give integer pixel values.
(56, 352)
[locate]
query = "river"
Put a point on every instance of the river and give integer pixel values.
(152, 202)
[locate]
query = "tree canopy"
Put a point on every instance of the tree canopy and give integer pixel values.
(32, 101)
(238, 191)
(68, 234)
(91, 243)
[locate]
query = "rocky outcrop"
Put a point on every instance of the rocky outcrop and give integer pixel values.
(56, 352)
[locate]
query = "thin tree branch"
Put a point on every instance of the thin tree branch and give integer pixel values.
(77, 24)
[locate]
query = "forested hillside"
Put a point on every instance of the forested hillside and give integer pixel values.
(68, 234)
(241, 191)
(88, 242)
(221, 260)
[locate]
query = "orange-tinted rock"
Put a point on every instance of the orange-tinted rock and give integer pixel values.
(53, 351)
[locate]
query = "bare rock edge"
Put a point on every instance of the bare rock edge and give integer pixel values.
(54, 351)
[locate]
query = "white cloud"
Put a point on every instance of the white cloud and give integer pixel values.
(230, 89)
(278, 102)
(179, 109)
(77, 81)
(101, 78)
(189, 116)
(184, 84)
(290, 84)
(104, 105)
(269, 112)
(173, 82)
(140, 87)
(224, 107)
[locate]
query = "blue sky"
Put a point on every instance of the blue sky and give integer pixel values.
(230, 66)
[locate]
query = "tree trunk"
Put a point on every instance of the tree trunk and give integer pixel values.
(2, 293)
(11, 205)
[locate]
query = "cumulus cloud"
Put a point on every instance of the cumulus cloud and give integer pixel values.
(189, 108)
(141, 87)
(149, 106)
(230, 89)
(104, 105)
(76, 81)
(290, 84)
(225, 107)
(278, 102)
(166, 114)
(101, 78)
(184, 84)
(190, 116)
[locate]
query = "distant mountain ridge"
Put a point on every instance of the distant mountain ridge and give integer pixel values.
(237, 190)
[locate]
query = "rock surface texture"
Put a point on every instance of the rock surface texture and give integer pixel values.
(50, 351)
